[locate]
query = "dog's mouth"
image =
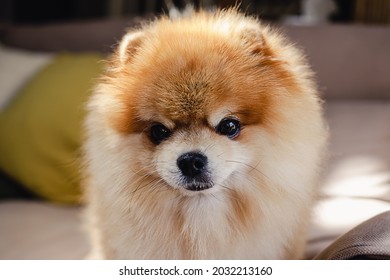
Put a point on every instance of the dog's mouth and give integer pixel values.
(197, 187)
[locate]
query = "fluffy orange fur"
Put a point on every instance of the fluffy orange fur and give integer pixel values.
(188, 74)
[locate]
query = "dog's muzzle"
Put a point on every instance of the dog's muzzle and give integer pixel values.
(194, 171)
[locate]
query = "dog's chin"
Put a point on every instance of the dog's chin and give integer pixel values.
(195, 188)
(198, 187)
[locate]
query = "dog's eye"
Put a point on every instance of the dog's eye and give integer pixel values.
(159, 133)
(230, 127)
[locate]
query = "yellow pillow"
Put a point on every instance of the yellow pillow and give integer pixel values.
(40, 130)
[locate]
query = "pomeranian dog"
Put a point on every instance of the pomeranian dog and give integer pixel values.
(204, 140)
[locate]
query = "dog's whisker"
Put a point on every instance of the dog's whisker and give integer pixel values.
(252, 168)
(211, 145)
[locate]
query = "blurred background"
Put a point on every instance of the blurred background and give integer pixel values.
(44, 11)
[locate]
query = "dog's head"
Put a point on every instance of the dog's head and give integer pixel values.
(201, 102)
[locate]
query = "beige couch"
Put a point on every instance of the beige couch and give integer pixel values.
(352, 63)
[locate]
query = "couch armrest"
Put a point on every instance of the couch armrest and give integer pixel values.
(351, 61)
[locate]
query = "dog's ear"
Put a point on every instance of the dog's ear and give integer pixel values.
(253, 39)
(129, 46)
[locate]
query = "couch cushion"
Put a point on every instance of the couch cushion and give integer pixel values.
(369, 241)
(41, 129)
(38, 230)
(17, 67)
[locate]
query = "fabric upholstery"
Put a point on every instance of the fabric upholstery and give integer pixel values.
(41, 130)
(369, 240)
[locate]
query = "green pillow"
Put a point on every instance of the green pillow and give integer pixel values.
(41, 129)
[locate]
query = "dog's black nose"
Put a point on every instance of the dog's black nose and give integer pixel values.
(192, 164)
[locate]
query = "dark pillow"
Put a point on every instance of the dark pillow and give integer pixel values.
(369, 240)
